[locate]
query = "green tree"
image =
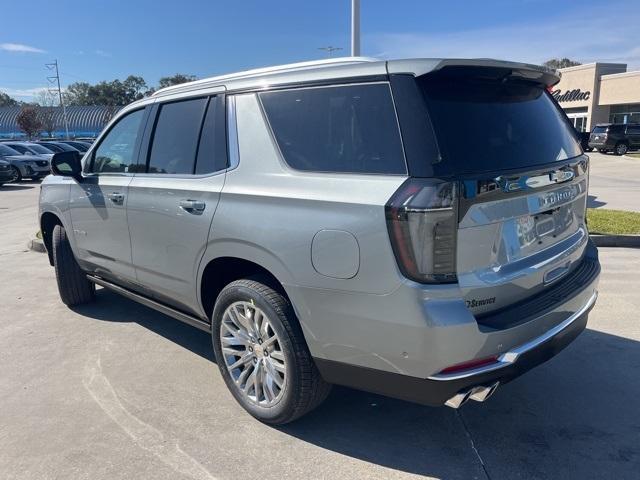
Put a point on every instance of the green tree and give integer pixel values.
(114, 93)
(7, 101)
(557, 63)
(176, 79)
(28, 121)
(77, 94)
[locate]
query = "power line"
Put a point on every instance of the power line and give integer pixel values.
(330, 49)
(53, 80)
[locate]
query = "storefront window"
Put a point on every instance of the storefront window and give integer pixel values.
(629, 113)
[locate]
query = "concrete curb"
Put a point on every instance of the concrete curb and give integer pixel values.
(36, 245)
(626, 241)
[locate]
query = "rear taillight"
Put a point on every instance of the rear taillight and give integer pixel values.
(422, 222)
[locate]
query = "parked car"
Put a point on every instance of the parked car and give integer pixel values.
(30, 148)
(327, 224)
(58, 146)
(31, 166)
(82, 147)
(584, 140)
(616, 137)
(7, 174)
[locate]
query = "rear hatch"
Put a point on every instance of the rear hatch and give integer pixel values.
(522, 181)
(599, 135)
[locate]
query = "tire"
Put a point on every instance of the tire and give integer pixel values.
(302, 388)
(17, 176)
(73, 286)
(621, 149)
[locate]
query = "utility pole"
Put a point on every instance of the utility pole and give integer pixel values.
(355, 28)
(330, 49)
(55, 80)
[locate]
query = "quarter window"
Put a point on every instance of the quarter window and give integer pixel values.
(350, 129)
(212, 151)
(116, 151)
(175, 139)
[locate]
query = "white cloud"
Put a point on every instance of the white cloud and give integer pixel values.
(23, 93)
(102, 53)
(588, 35)
(20, 48)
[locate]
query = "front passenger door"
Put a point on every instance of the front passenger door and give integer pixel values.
(98, 203)
(171, 205)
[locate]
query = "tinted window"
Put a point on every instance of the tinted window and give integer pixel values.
(633, 130)
(19, 148)
(337, 129)
(116, 151)
(53, 148)
(488, 125)
(175, 139)
(34, 147)
(4, 150)
(212, 151)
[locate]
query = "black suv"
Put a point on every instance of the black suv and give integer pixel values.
(616, 137)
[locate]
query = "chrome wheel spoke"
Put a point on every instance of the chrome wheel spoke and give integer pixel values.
(252, 353)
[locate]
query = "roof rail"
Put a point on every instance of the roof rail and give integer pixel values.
(266, 70)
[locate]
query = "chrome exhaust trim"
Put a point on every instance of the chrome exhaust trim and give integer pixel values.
(458, 399)
(480, 394)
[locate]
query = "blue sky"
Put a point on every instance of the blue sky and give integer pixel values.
(109, 39)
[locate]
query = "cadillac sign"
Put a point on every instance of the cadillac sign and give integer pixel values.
(570, 95)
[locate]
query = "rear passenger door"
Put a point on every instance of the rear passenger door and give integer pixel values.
(173, 200)
(633, 134)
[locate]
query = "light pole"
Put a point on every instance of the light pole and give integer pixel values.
(355, 28)
(330, 49)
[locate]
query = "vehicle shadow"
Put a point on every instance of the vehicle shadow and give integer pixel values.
(111, 307)
(13, 186)
(575, 417)
(592, 202)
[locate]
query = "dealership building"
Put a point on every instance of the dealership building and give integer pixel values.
(599, 93)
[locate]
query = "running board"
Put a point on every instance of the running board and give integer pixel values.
(147, 302)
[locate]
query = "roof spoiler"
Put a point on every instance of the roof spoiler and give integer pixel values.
(418, 67)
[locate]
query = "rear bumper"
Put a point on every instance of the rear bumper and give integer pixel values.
(435, 391)
(555, 320)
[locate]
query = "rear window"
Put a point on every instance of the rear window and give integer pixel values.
(347, 129)
(4, 150)
(488, 125)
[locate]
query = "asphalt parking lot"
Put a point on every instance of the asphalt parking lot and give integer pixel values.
(614, 182)
(115, 390)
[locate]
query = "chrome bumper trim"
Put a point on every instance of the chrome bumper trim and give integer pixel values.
(510, 357)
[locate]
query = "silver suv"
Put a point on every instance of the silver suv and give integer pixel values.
(414, 228)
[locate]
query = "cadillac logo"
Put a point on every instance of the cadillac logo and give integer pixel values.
(575, 95)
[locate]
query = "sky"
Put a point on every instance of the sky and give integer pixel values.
(106, 39)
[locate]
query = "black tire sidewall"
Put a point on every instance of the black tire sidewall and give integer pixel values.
(286, 404)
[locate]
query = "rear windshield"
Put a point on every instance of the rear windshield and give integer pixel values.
(39, 148)
(5, 150)
(600, 129)
(487, 125)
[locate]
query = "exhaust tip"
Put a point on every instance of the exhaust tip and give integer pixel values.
(480, 394)
(458, 399)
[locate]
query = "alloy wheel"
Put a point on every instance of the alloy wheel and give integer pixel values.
(253, 353)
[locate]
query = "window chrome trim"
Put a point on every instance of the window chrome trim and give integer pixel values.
(233, 147)
(510, 357)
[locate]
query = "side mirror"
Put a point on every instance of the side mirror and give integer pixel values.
(67, 164)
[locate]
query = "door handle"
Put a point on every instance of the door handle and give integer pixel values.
(193, 206)
(115, 197)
